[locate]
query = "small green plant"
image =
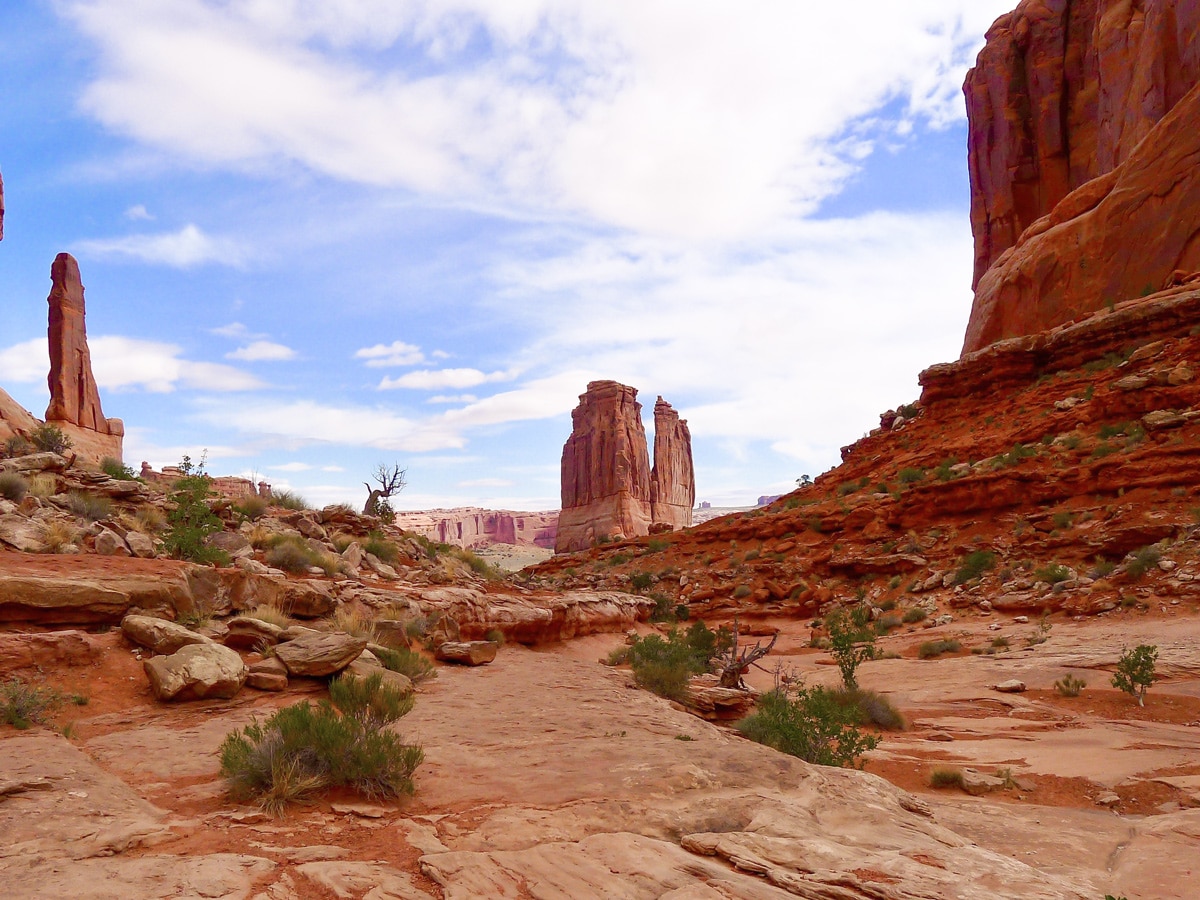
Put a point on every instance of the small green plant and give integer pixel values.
(618, 656)
(944, 778)
(1072, 441)
(1142, 562)
(114, 468)
(915, 614)
(190, 520)
(13, 486)
(974, 565)
(741, 592)
(641, 581)
(1053, 574)
(870, 708)
(1101, 567)
(945, 469)
(89, 507)
(1135, 671)
(288, 500)
(934, 649)
(16, 446)
(1069, 685)
(911, 476)
(23, 705)
(664, 665)
(381, 548)
(477, 564)
(657, 545)
(851, 641)
(1062, 520)
(291, 553)
(1104, 449)
(495, 635)
(1000, 643)
(344, 741)
(684, 737)
(1014, 456)
(810, 724)
(406, 662)
(49, 438)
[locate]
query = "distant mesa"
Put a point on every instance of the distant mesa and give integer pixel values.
(473, 529)
(609, 489)
(1084, 131)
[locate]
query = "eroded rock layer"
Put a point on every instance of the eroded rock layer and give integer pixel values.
(474, 528)
(605, 469)
(1082, 159)
(74, 398)
(672, 480)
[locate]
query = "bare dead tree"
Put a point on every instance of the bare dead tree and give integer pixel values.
(736, 664)
(390, 480)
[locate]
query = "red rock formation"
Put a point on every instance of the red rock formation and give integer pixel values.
(1076, 106)
(672, 480)
(14, 418)
(605, 469)
(74, 398)
(474, 528)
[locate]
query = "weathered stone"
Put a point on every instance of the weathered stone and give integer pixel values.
(673, 478)
(74, 397)
(45, 649)
(21, 533)
(1012, 686)
(306, 600)
(976, 783)
(321, 653)
(353, 555)
(141, 545)
(196, 672)
(471, 653)
(230, 541)
(249, 633)
(89, 596)
(361, 668)
(159, 635)
(1162, 418)
(267, 681)
(109, 543)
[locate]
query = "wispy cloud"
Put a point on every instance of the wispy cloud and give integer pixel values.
(392, 355)
(442, 379)
(262, 351)
(181, 249)
(138, 213)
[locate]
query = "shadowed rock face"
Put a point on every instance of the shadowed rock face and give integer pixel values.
(1069, 106)
(672, 480)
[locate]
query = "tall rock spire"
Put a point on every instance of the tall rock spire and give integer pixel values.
(673, 479)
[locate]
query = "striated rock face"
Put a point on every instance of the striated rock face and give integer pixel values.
(605, 469)
(74, 398)
(474, 528)
(1081, 145)
(672, 480)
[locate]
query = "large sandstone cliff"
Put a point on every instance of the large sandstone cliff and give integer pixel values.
(74, 398)
(1083, 148)
(672, 480)
(474, 528)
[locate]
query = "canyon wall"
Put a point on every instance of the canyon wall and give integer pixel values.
(609, 489)
(1082, 195)
(74, 398)
(474, 528)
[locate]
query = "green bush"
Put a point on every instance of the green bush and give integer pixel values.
(941, 778)
(114, 468)
(1013, 456)
(478, 564)
(974, 565)
(381, 548)
(915, 614)
(657, 545)
(1135, 671)
(13, 486)
(664, 665)
(344, 741)
(288, 500)
(22, 705)
(808, 723)
(89, 507)
(1053, 573)
(406, 662)
(1143, 561)
(870, 708)
(934, 649)
(290, 553)
(49, 439)
(741, 592)
(16, 445)
(190, 520)
(911, 476)
(851, 641)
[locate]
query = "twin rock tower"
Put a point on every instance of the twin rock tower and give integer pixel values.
(609, 489)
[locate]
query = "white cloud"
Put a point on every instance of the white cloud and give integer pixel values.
(441, 379)
(291, 467)
(181, 249)
(25, 363)
(262, 351)
(728, 119)
(452, 398)
(390, 355)
(138, 213)
(235, 330)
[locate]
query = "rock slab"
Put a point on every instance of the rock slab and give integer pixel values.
(196, 672)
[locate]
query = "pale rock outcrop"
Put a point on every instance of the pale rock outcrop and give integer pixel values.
(1083, 139)
(364, 668)
(608, 487)
(673, 478)
(320, 653)
(159, 635)
(195, 672)
(74, 398)
(14, 418)
(90, 597)
(468, 653)
(249, 633)
(43, 650)
(473, 528)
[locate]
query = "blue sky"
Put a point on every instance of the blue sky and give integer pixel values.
(317, 235)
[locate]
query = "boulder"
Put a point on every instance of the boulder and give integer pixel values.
(1012, 686)
(268, 674)
(470, 653)
(43, 650)
(21, 533)
(306, 600)
(361, 668)
(196, 672)
(159, 635)
(141, 545)
(109, 543)
(236, 545)
(249, 633)
(320, 653)
(976, 783)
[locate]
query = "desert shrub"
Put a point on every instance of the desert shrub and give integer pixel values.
(190, 520)
(664, 665)
(114, 468)
(272, 615)
(851, 641)
(1069, 685)
(495, 635)
(43, 485)
(344, 741)
(1102, 567)
(381, 548)
(657, 545)
(1135, 671)
(293, 553)
(974, 565)
(13, 486)
(58, 535)
(252, 507)
(870, 708)
(915, 614)
(22, 704)
(406, 662)
(477, 564)
(1000, 643)
(149, 519)
(288, 500)
(1143, 561)
(89, 507)
(911, 476)
(1053, 573)
(1103, 450)
(808, 723)
(1062, 520)
(16, 446)
(1113, 429)
(934, 649)
(941, 778)
(1013, 456)
(618, 656)
(49, 438)
(351, 621)
(886, 623)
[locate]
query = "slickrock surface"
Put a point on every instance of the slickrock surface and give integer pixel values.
(673, 478)
(1083, 154)
(74, 397)
(14, 418)
(605, 469)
